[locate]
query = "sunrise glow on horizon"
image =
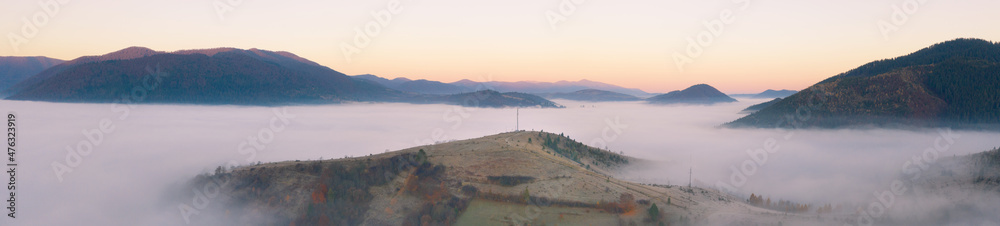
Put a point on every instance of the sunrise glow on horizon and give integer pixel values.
(760, 45)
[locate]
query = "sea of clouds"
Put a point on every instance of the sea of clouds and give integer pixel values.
(137, 152)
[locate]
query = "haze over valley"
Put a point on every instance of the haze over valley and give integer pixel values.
(657, 149)
(447, 112)
(152, 155)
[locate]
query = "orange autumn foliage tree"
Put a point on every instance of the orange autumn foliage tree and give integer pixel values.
(319, 194)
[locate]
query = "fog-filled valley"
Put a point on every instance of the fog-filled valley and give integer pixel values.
(147, 151)
(504, 113)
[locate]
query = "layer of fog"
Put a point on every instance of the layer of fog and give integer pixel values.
(122, 181)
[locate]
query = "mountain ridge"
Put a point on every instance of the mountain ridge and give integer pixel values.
(216, 76)
(533, 87)
(594, 95)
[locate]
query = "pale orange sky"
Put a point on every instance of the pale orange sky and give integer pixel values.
(778, 44)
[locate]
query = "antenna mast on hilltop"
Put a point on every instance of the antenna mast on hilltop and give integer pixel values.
(691, 172)
(517, 121)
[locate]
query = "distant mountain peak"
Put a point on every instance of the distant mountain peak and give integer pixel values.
(696, 94)
(965, 42)
(466, 83)
(701, 86)
(134, 49)
(123, 54)
(208, 52)
(132, 52)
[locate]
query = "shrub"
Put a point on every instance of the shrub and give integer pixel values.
(654, 212)
(510, 181)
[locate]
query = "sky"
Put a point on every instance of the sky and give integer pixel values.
(747, 46)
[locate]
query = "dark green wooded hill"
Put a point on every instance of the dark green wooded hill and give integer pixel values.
(209, 76)
(950, 84)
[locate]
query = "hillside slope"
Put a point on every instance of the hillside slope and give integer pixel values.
(15, 69)
(770, 93)
(767, 94)
(383, 81)
(758, 107)
(431, 87)
(954, 190)
(485, 181)
(955, 84)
